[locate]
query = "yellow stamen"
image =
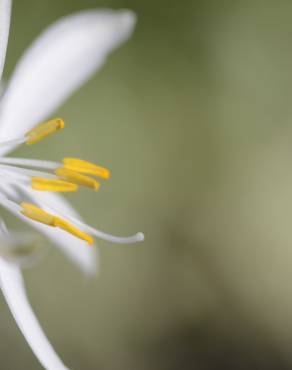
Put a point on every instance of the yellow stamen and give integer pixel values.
(37, 214)
(77, 178)
(73, 230)
(39, 183)
(79, 165)
(40, 132)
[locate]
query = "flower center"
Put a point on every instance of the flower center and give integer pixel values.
(65, 176)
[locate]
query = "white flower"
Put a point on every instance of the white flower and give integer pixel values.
(56, 64)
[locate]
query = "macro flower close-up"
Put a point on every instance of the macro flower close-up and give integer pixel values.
(61, 59)
(145, 185)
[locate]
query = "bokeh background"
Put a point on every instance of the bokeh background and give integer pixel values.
(194, 118)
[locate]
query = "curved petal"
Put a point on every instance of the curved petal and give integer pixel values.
(77, 250)
(58, 63)
(13, 289)
(5, 12)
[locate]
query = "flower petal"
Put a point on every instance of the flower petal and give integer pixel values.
(5, 12)
(76, 249)
(59, 62)
(12, 285)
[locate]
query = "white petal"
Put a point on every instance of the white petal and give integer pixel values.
(14, 291)
(58, 63)
(77, 250)
(5, 12)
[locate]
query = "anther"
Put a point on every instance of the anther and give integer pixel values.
(79, 165)
(77, 178)
(37, 214)
(43, 130)
(65, 225)
(39, 183)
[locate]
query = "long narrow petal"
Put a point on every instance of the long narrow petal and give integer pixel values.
(5, 12)
(77, 250)
(59, 62)
(13, 289)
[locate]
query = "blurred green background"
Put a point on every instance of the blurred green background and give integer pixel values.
(193, 117)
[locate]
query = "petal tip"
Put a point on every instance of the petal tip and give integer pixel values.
(128, 18)
(90, 266)
(126, 21)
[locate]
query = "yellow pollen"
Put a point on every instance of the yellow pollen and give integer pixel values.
(79, 165)
(77, 178)
(40, 132)
(37, 214)
(39, 183)
(73, 230)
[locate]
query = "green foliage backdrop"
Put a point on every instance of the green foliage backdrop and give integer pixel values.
(193, 117)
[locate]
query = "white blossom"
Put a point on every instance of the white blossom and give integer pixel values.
(57, 63)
